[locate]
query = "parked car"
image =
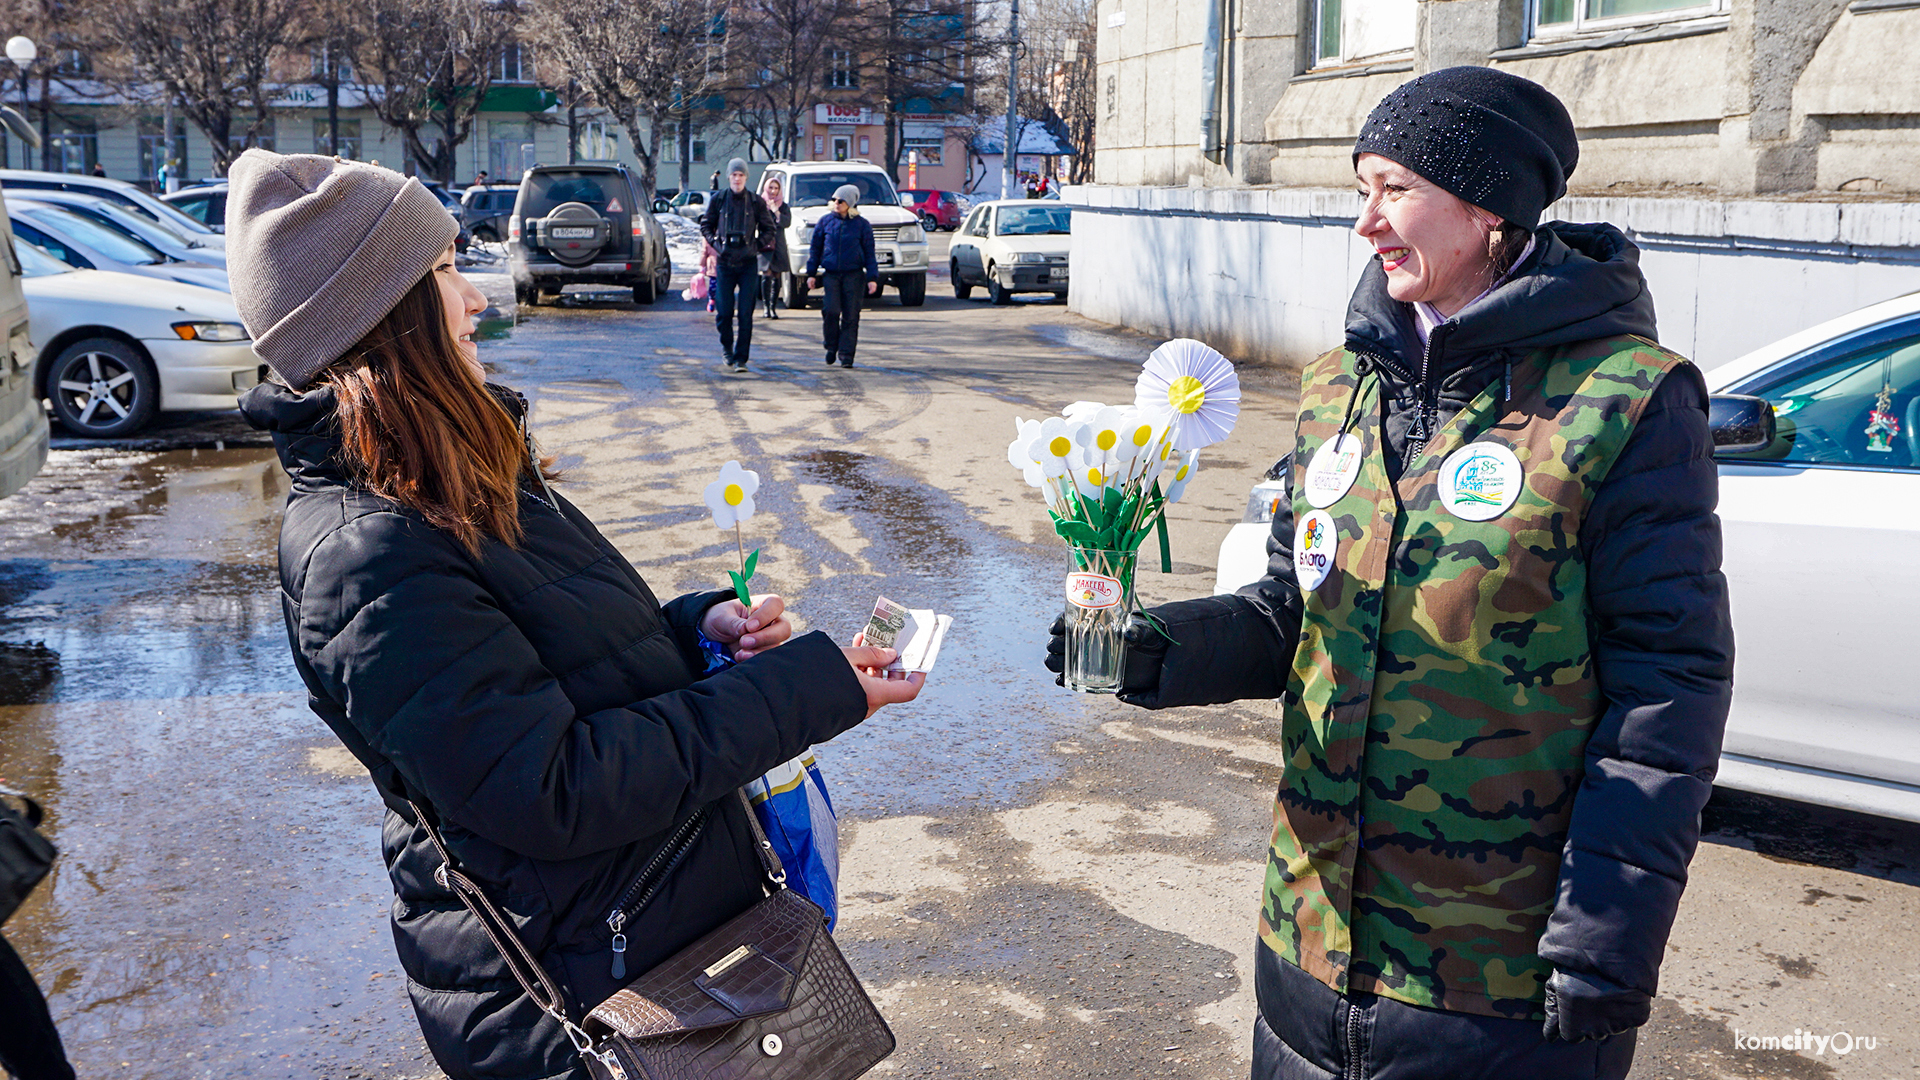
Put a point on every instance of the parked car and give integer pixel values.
(485, 208)
(1011, 246)
(937, 209)
(690, 204)
(900, 244)
(452, 202)
(206, 203)
(86, 244)
(115, 216)
(25, 181)
(575, 224)
(1820, 527)
(112, 349)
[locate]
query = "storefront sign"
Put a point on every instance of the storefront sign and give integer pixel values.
(824, 113)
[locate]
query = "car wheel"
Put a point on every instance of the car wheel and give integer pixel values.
(643, 292)
(961, 290)
(796, 292)
(929, 223)
(913, 290)
(1000, 296)
(102, 388)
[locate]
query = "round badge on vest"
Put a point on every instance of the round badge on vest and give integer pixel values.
(1333, 469)
(1315, 541)
(1480, 481)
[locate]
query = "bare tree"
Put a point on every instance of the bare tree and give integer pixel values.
(427, 66)
(778, 55)
(648, 63)
(334, 32)
(918, 57)
(1059, 78)
(214, 57)
(67, 34)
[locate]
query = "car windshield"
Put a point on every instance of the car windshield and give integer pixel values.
(816, 188)
(105, 239)
(35, 261)
(600, 190)
(126, 221)
(149, 207)
(1033, 221)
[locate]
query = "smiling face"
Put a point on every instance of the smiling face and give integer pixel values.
(1431, 243)
(461, 302)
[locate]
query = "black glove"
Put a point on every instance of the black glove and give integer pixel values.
(1582, 1007)
(1146, 647)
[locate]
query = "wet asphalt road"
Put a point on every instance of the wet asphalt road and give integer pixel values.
(1036, 884)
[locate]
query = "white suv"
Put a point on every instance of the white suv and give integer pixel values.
(899, 243)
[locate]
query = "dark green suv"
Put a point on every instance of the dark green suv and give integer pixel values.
(585, 224)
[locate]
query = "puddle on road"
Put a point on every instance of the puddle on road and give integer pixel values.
(983, 730)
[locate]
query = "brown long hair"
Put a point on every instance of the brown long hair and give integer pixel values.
(417, 428)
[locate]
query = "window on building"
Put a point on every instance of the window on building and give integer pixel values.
(341, 61)
(670, 145)
(1555, 17)
(152, 152)
(699, 153)
(72, 62)
(515, 66)
(509, 150)
(75, 144)
(1348, 31)
(599, 141)
(263, 137)
(349, 138)
(841, 73)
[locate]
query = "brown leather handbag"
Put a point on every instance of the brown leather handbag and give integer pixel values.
(766, 996)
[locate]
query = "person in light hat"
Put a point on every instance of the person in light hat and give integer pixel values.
(842, 257)
(1494, 617)
(433, 583)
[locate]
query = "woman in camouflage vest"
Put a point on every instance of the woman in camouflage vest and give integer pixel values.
(1495, 616)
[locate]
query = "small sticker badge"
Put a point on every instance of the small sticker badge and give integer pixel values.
(1479, 481)
(1332, 470)
(1314, 544)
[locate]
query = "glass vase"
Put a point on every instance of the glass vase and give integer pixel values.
(1099, 590)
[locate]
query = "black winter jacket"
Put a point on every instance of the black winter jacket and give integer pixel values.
(1663, 649)
(553, 716)
(739, 225)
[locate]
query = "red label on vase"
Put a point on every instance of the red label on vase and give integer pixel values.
(1093, 591)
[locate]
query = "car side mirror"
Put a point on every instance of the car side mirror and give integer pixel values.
(1740, 424)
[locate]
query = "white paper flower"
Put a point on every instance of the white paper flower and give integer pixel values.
(1019, 454)
(1090, 475)
(1102, 435)
(731, 497)
(1051, 445)
(1193, 389)
(1180, 473)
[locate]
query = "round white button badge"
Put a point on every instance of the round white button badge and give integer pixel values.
(1315, 542)
(1480, 481)
(1333, 469)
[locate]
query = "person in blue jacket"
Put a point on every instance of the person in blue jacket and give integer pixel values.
(841, 256)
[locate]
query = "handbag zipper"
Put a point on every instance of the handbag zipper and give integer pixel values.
(640, 893)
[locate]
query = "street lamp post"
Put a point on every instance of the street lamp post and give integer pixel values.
(22, 51)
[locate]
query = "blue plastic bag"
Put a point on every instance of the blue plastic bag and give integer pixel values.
(792, 804)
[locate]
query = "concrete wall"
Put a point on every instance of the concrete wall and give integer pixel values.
(1264, 274)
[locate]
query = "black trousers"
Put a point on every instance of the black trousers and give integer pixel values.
(29, 1046)
(840, 311)
(739, 292)
(1308, 1031)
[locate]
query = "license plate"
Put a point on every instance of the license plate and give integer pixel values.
(573, 234)
(884, 258)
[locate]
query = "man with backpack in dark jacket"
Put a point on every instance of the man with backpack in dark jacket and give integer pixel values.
(843, 248)
(739, 225)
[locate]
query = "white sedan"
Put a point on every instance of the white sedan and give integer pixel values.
(1012, 246)
(1822, 557)
(113, 349)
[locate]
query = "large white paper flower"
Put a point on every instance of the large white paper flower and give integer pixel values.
(731, 497)
(1191, 388)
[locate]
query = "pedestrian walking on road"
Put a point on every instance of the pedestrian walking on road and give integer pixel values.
(841, 257)
(740, 227)
(433, 583)
(1495, 613)
(778, 261)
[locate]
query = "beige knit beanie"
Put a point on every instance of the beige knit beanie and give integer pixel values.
(319, 250)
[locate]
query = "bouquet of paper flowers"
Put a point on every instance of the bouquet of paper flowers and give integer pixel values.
(1107, 473)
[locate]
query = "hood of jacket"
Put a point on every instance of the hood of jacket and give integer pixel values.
(1581, 282)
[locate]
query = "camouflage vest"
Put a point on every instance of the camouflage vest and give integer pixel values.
(1443, 691)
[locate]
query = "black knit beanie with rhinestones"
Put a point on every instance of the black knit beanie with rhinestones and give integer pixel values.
(1501, 142)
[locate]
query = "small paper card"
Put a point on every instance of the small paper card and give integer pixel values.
(920, 629)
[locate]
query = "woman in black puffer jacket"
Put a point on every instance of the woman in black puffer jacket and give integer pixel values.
(480, 647)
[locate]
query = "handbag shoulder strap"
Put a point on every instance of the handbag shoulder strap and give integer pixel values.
(520, 960)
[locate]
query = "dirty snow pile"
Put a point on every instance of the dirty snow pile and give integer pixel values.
(683, 241)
